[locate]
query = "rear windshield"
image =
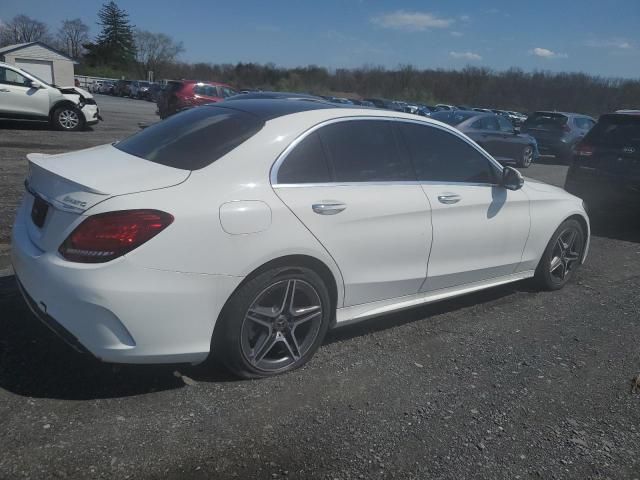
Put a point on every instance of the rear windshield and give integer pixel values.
(193, 139)
(546, 120)
(617, 131)
(453, 117)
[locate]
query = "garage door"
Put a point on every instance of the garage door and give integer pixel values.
(40, 68)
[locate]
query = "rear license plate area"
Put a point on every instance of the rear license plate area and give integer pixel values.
(39, 211)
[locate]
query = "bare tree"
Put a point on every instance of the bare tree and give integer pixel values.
(23, 29)
(155, 50)
(71, 36)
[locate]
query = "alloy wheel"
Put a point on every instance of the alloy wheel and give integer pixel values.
(281, 325)
(527, 156)
(68, 119)
(566, 252)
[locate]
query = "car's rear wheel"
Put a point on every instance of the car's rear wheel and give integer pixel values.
(526, 158)
(274, 323)
(68, 118)
(562, 256)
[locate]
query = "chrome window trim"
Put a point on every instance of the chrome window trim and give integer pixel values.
(273, 175)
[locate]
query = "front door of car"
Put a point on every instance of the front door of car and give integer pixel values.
(479, 228)
(512, 144)
(19, 99)
(356, 192)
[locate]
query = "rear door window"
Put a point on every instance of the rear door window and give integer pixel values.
(365, 151)
(486, 123)
(505, 125)
(306, 163)
(193, 139)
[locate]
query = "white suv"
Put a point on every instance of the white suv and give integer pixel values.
(23, 96)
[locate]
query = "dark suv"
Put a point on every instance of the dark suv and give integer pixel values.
(605, 171)
(557, 133)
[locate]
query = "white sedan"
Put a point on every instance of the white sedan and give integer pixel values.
(248, 228)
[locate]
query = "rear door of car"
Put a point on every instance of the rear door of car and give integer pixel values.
(355, 190)
(486, 132)
(479, 228)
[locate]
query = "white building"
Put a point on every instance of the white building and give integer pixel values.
(42, 61)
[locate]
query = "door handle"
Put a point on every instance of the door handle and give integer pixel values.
(449, 198)
(328, 208)
(4, 90)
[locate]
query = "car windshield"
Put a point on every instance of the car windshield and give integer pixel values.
(453, 117)
(193, 139)
(615, 131)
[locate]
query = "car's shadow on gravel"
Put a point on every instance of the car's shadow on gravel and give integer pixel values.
(616, 225)
(36, 363)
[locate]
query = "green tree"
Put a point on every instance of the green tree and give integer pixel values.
(115, 46)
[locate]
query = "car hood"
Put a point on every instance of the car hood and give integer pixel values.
(75, 94)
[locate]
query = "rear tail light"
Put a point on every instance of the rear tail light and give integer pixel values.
(566, 128)
(105, 236)
(584, 150)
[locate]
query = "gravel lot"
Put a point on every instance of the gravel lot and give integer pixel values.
(508, 383)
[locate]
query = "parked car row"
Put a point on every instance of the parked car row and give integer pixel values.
(139, 89)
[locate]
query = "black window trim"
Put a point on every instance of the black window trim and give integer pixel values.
(273, 176)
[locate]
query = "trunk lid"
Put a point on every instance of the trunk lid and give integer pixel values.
(62, 187)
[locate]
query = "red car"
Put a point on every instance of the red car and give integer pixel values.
(178, 95)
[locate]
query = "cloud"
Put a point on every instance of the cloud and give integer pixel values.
(610, 43)
(456, 34)
(465, 56)
(465, 18)
(546, 53)
(411, 21)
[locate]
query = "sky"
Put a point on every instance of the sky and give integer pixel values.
(593, 36)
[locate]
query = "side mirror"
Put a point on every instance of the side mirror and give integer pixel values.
(34, 84)
(512, 179)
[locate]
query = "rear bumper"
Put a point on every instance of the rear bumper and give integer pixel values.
(118, 311)
(554, 147)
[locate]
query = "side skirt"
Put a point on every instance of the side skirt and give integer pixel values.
(356, 313)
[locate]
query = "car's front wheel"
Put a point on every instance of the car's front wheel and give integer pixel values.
(274, 323)
(68, 118)
(526, 158)
(562, 256)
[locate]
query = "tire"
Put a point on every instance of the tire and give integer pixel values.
(258, 337)
(526, 158)
(562, 256)
(68, 118)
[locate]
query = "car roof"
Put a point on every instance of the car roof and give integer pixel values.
(270, 108)
(567, 114)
